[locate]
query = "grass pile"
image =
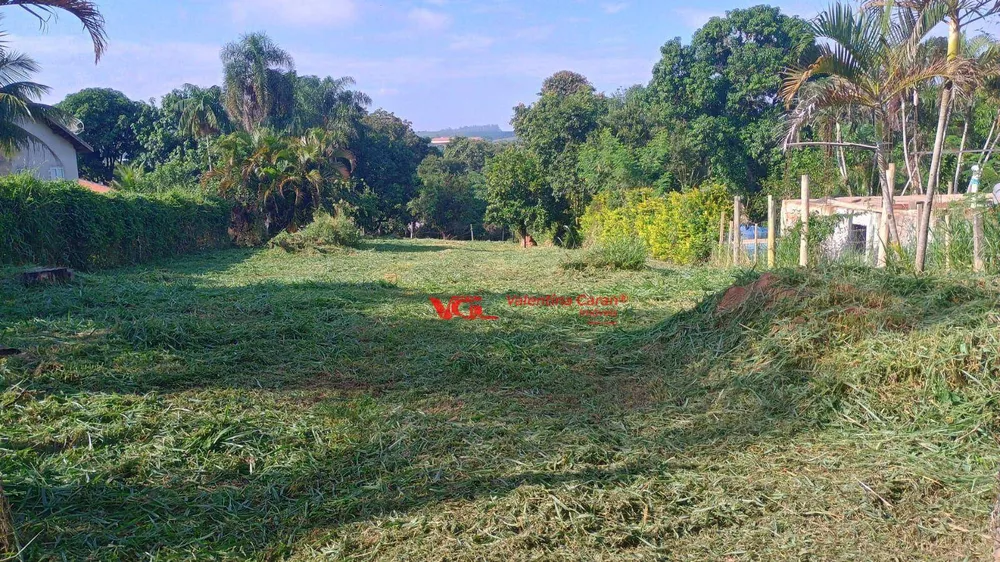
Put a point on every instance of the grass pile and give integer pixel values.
(326, 232)
(625, 254)
(263, 405)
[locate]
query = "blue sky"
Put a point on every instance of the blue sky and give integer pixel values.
(437, 63)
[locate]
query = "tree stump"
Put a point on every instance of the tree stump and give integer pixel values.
(527, 241)
(48, 275)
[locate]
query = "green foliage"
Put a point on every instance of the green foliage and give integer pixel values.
(258, 84)
(328, 104)
(605, 163)
(471, 153)
(325, 232)
(627, 253)
(388, 153)
(724, 89)
(554, 128)
(279, 182)
(516, 194)
(680, 227)
(109, 118)
(60, 223)
(447, 200)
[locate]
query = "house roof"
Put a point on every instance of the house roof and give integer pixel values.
(95, 187)
(64, 132)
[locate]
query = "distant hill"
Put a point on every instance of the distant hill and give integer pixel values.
(490, 132)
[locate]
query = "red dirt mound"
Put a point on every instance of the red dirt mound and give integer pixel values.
(769, 286)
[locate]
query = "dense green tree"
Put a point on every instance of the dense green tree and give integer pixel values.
(258, 86)
(446, 199)
(553, 129)
(606, 163)
(388, 153)
(472, 153)
(566, 83)
(278, 182)
(108, 117)
(725, 85)
(517, 196)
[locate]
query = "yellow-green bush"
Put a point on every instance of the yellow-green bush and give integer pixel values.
(680, 227)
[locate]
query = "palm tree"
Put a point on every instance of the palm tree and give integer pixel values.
(257, 85)
(83, 10)
(202, 114)
(957, 13)
(866, 62)
(19, 102)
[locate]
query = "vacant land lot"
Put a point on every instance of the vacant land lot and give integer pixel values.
(262, 405)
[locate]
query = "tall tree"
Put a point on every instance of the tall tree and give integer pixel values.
(957, 13)
(109, 117)
(201, 112)
(329, 103)
(388, 153)
(554, 128)
(258, 88)
(516, 195)
(866, 65)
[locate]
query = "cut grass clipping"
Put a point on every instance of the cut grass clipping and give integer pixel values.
(625, 253)
(247, 405)
(326, 232)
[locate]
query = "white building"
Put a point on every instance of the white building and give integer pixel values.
(53, 157)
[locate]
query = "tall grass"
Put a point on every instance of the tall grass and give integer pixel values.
(60, 223)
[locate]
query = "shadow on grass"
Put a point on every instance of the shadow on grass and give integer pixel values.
(372, 400)
(410, 247)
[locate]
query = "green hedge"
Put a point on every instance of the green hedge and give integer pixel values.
(61, 223)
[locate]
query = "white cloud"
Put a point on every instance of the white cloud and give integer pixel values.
(428, 20)
(311, 13)
(140, 70)
(614, 8)
(471, 42)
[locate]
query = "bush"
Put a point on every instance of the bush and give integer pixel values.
(60, 223)
(680, 227)
(625, 253)
(325, 232)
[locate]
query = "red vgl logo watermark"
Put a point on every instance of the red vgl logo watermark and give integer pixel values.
(597, 310)
(454, 309)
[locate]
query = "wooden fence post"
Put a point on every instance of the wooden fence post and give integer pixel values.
(472, 233)
(883, 222)
(771, 234)
(756, 245)
(804, 241)
(978, 262)
(947, 231)
(737, 239)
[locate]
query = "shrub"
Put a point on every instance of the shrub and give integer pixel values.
(681, 227)
(60, 223)
(625, 253)
(326, 231)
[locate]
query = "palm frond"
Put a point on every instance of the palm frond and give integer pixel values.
(84, 10)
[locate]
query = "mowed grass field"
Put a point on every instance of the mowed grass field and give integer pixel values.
(259, 405)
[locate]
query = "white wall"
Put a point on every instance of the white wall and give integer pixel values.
(57, 152)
